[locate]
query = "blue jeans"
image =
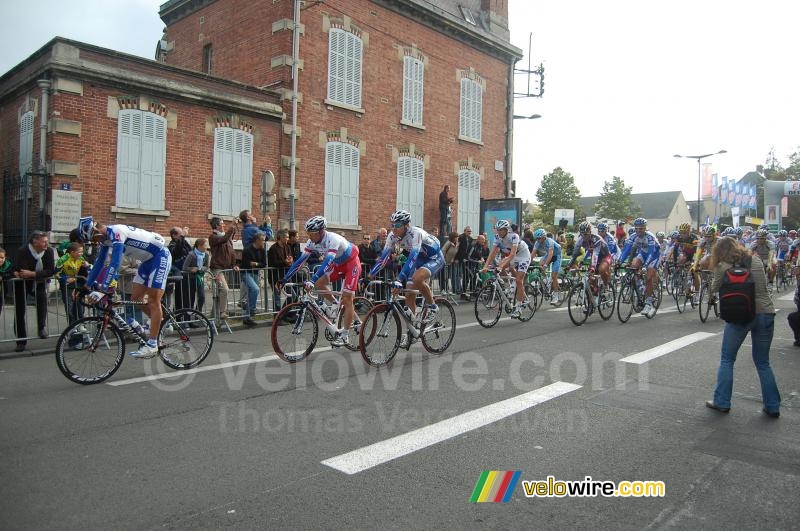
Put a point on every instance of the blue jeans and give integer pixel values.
(251, 281)
(761, 329)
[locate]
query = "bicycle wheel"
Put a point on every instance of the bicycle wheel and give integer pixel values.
(658, 293)
(187, 342)
(90, 350)
(488, 305)
(527, 310)
(667, 276)
(679, 291)
(578, 304)
(626, 300)
(704, 307)
(362, 306)
(607, 299)
(381, 347)
(438, 335)
(296, 338)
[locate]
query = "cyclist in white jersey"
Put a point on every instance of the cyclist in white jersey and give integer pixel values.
(517, 257)
(340, 260)
(150, 279)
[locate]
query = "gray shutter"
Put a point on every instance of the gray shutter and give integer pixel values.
(153, 161)
(477, 114)
(336, 65)
(129, 148)
(413, 73)
(333, 181)
(25, 151)
(353, 61)
(350, 185)
(462, 130)
(242, 172)
(222, 188)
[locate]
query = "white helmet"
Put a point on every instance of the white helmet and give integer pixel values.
(316, 224)
(401, 217)
(502, 224)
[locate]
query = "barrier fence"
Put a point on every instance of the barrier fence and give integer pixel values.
(32, 310)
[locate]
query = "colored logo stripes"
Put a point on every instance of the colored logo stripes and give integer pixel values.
(495, 486)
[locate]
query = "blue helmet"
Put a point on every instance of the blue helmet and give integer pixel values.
(739, 231)
(639, 222)
(602, 226)
(730, 231)
(674, 234)
(539, 233)
(86, 227)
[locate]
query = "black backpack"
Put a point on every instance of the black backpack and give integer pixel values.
(737, 294)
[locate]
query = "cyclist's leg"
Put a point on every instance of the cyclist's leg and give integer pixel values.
(651, 276)
(556, 265)
(151, 280)
(520, 268)
(323, 283)
(352, 272)
(604, 268)
(425, 271)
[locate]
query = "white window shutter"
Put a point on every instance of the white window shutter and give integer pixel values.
(26, 143)
(153, 161)
(413, 72)
(411, 187)
(345, 57)
(341, 183)
(129, 148)
(336, 65)
(469, 199)
(232, 189)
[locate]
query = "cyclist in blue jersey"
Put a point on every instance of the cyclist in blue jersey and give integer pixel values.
(425, 259)
(597, 252)
(613, 248)
(550, 251)
(339, 260)
(644, 251)
(150, 279)
(516, 257)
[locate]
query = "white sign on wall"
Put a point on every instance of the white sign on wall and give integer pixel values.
(564, 213)
(66, 210)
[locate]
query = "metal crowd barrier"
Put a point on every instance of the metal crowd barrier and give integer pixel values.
(28, 307)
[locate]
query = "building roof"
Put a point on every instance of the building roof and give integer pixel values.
(656, 205)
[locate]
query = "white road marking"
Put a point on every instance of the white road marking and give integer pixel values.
(407, 443)
(787, 297)
(666, 348)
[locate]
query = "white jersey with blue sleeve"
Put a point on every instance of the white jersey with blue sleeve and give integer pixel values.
(130, 241)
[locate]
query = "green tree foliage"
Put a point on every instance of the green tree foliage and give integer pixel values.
(558, 190)
(615, 201)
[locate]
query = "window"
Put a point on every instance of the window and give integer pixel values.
(413, 76)
(141, 159)
(25, 152)
(344, 68)
(207, 59)
(469, 199)
(467, 15)
(232, 189)
(341, 183)
(471, 109)
(410, 187)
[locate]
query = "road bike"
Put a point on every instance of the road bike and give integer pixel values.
(542, 284)
(589, 293)
(91, 349)
(498, 294)
(782, 277)
(384, 322)
(706, 300)
(631, 293)
(682, 287)
(295, 328)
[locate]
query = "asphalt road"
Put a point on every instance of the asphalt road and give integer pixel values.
(250, 442)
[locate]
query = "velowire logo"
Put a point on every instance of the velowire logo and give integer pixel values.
(495, 486)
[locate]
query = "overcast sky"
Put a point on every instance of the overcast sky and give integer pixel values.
(628, 83)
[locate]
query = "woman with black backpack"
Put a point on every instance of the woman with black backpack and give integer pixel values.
(736, 271)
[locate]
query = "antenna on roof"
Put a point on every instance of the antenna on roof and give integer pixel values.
(533, 76)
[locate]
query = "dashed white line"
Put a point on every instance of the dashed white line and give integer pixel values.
(390, 449)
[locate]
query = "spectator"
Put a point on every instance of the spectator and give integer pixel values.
(365, 251)
(196, 265)
(279, 258)
(34, 264)
(515, 228)
(450, 251)
(266, 228)
(179, 249)
(620, 234)
(527, 237)
(727, 252)
(478, 252)
(464, 244)
(379, 243)
(445, 206)
(222, 257)
(249, 228)
(70, 267)
(560, 238)
(5, 277)
(294, 245)
(127, 270)
(254, 258)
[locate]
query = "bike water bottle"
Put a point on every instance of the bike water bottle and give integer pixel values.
(134, 324)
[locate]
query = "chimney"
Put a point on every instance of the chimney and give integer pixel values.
(497, 11)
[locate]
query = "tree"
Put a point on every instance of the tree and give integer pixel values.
(615, 201)
(558, 190)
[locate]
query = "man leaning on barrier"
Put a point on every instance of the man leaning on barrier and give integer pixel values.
(33, 265)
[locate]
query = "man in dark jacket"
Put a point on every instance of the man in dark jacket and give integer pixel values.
(254, 259)
(279, 258)
(34, 264)
(179, 249)
(464, 244)
(222, 257)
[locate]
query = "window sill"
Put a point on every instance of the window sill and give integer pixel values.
(140, 212)
(344, 106)
(409, 124)
(470, 140)
(344, 227)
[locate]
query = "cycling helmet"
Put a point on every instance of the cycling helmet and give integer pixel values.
(730, 231)
(401, 216)
(738, 231)
(685, 227)
(639, 222)
(761, 233)
(783, 234)
(585, 227)
(709, 230)
(674, 234)
(502, 224)
(763, 226)
(570, 236)
(85, 228)
(660, 234)
(602, 226)
(316, 224)
(539, 233)
(793, 233)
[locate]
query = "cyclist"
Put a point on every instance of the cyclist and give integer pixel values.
(425, 259)
(516, 256)
(602, 231)
(551, 251)
(151, 276)
(765, 250)
(340, 260)
(570, 246)
(662, 242)
(702, 257)
(596, 250)
(644, 251)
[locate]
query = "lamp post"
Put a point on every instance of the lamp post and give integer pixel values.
(699, 158)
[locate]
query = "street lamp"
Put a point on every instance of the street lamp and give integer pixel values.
(531, 117)
(699, 158)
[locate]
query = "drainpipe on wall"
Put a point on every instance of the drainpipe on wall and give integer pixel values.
(293, 159)
(45, 85)
(509, 128)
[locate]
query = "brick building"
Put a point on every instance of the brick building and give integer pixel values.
(128, 140)
(396, 98)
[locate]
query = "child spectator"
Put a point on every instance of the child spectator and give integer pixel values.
(69, 267)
